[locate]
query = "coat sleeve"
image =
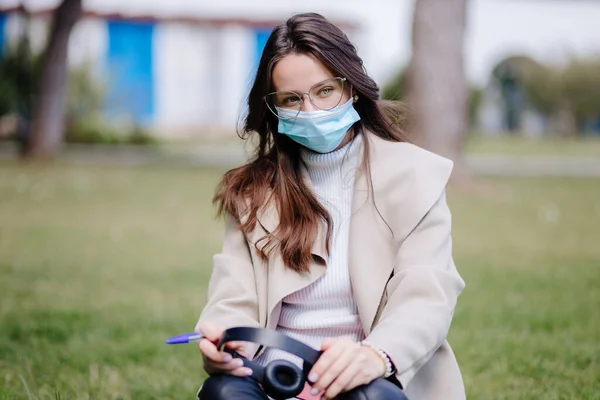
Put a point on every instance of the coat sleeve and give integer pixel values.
(422, 294)
(232, 295)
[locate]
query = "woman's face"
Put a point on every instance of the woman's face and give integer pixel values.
(299, 73)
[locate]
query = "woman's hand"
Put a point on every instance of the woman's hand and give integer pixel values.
(218, 362)
(343, 366)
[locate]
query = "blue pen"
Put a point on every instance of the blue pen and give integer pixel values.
(185, 338)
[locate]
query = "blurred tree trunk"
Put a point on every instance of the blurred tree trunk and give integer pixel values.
(437, 85)
(46, 133)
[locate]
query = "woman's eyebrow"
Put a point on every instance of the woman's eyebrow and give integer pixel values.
(297, 91)
(292, 90)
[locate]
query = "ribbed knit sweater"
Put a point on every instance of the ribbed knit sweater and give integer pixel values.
(326, 308)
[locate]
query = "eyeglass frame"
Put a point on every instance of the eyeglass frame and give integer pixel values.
(301, 96)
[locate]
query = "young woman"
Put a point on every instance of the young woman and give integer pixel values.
(337, 232)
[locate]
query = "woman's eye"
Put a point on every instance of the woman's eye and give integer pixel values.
(325, 91)
(291, 100)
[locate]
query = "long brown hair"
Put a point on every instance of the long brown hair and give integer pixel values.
(274, 173)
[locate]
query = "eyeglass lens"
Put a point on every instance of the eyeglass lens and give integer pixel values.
(324, 95)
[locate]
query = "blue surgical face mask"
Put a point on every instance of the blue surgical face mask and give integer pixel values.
(321, 131)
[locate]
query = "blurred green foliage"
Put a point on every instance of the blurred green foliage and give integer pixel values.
(20, 72)
(568, 95)
(85, 121)
(580, 88)
(94, 130)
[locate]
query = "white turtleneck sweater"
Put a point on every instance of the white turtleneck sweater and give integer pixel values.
(326, 308)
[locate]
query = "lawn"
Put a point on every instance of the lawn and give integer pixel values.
(99, 265)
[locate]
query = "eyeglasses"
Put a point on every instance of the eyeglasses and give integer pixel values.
(324, 95)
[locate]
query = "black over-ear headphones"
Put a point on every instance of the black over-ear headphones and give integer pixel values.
(280, 379)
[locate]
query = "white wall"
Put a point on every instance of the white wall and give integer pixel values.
(88, 43)
(234, 75)
(202, 76)
(181, 76)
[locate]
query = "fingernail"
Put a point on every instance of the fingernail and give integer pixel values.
(239, 363)
(313, 377)
(247, 371)
(227, 357)
(314, 391)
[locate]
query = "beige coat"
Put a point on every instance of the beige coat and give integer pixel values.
(401, 268)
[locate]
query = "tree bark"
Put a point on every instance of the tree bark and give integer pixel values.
(438, 93)
(45, 136)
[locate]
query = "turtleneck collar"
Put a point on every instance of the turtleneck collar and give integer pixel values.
(320, 161)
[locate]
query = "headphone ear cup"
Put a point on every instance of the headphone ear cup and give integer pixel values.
(282, 380)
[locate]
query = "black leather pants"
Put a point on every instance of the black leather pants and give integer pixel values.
(227, 387)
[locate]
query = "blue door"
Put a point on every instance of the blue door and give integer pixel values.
(131, 79)
(2, 26)
(261, 36)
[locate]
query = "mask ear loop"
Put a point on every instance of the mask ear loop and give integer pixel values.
(354, 96)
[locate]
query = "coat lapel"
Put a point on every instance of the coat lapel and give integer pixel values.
(369, 257)
(281, 280)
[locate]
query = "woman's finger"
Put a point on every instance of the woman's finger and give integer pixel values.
(210, 351)
(210, 330)
(241, 372)
(363, 369)
(237, 371)
(350, 378)
(331, 350)
(234, 367)
(236, 345)
(343, 354)
(223, 367)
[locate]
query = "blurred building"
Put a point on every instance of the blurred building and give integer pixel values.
(184, 67)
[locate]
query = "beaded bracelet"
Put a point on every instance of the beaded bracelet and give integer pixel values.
(389, 370)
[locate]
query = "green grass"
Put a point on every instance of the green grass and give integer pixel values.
(99, 265)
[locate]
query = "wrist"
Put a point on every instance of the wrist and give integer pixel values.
(386, 362)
